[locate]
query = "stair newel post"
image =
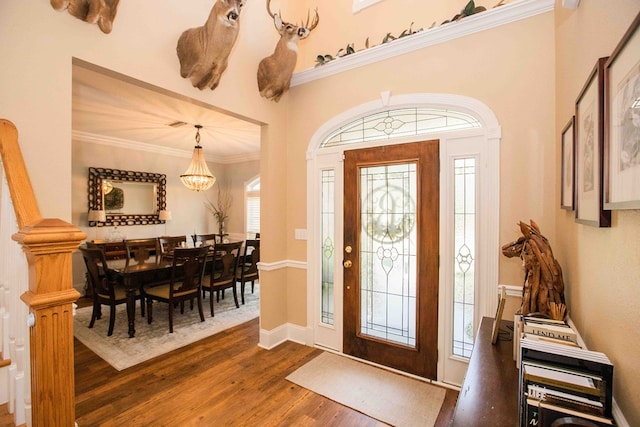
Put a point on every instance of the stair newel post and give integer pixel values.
(48, 246)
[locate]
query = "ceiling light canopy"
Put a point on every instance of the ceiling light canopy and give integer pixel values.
(198, 177)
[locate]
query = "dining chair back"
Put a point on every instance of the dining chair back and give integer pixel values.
(204, 239)
(222, 275)
(187, 273)
(112, 250)
(104, 286)
(142, 251)
(248, 268)
(169, 243)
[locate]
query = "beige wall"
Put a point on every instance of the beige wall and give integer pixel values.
(601, 266)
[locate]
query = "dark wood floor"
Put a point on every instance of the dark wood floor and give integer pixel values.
(223, 380)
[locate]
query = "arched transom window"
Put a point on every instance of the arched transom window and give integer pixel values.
(400, 123)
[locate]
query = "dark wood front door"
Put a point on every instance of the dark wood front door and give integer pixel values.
(391, 213)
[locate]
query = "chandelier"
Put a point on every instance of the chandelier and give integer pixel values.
(198, 177)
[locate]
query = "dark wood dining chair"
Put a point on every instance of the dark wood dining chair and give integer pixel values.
(186, 283)
(169, 243)
(248, 268)
(105, 287)
(112, 250)
(223, 274)
(142, 251)
(204, 239)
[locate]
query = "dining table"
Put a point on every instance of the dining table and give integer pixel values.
(135, 276)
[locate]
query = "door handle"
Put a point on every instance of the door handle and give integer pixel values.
(347, 263)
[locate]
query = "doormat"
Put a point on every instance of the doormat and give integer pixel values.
(386, 396)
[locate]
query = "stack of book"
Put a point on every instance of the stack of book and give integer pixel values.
(562, 383)
(542, 329)
(549, 330)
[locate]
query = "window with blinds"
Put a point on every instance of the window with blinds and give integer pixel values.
(252, 191)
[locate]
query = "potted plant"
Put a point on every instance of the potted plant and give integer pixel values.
(220, 209)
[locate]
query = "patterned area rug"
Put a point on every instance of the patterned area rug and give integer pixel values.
(152, 340)
(386, 396)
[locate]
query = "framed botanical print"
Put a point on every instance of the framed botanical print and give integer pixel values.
(622, 123)
(567, 193)
(589, 127)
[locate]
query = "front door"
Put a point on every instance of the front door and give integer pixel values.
(390, 256)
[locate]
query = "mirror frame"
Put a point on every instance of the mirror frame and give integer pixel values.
(96, 175)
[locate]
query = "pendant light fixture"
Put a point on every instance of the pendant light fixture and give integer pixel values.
(198, 177)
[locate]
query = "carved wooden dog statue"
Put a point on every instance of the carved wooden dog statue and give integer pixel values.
(543, 285)
(274, 72)
(203, 52)
(101, 12)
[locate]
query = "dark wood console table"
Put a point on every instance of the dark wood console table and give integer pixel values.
(489, 395)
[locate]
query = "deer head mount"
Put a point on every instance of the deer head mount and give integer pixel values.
(101, 12)
(274, 71)
(203, 52)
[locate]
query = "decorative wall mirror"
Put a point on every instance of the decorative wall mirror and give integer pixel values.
(127, 197)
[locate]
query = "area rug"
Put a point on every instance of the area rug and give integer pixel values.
(152, 340)
(386, 396)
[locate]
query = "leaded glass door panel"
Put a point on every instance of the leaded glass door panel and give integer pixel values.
(391, 209)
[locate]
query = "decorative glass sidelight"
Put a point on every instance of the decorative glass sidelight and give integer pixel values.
(327, 216)
(464, 255)
(388, 252)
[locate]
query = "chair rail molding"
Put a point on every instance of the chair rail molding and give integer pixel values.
(278, 265)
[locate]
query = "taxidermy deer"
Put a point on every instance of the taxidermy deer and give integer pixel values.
(274, 72)
(101, 12)
(203, 51)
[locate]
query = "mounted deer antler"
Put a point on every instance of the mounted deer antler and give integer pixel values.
(101, 12)
(274, 72)
(203, 52)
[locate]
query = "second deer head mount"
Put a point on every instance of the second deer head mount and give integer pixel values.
(203, 51)
(274, 71)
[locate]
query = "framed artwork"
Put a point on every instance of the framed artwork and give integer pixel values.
(567, 193)
(622, 123)
(589, 129)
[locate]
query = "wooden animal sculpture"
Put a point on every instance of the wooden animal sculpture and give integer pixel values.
(543, 285)
(203, 52)
(274, 72)
(101, 12)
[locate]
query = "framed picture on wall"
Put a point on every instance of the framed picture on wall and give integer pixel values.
(567, 193)
(622, 123)
(589, 129)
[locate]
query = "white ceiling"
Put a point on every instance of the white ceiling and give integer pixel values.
(112, 108)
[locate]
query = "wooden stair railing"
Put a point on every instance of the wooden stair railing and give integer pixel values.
(48, 245)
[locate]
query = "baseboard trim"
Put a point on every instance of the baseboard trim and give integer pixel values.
(287, 332)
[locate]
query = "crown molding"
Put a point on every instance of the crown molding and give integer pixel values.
(156, 149)
(492, 18)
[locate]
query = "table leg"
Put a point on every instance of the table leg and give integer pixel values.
(131, 310)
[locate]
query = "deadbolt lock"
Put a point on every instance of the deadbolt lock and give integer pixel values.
(347, 263)
(348, 249)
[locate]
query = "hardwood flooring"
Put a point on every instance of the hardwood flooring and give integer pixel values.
(223, 380)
